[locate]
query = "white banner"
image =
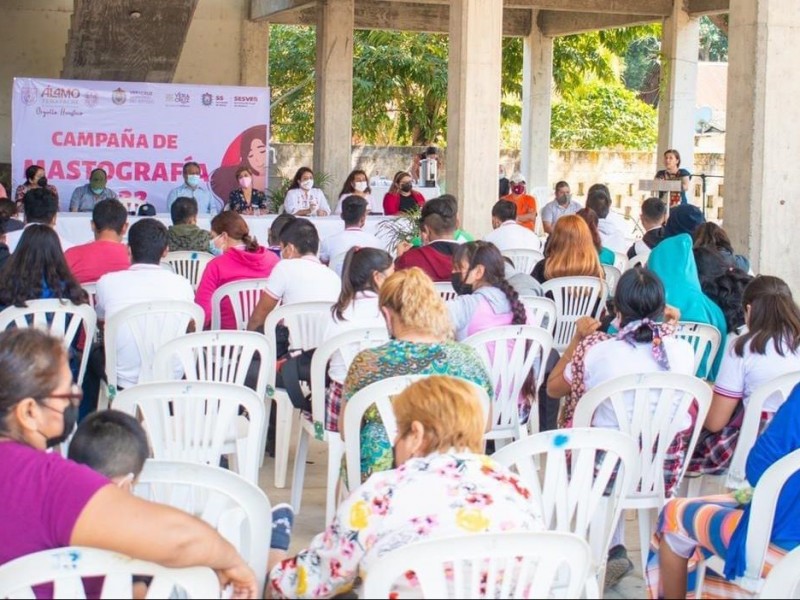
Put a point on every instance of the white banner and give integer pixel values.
(141, 134)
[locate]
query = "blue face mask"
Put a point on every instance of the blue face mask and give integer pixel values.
(97, 191)
(212, 249)
(193, 180)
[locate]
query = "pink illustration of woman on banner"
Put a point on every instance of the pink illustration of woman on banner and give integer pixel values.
(249, 149)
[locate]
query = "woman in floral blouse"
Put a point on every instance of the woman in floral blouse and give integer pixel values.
(245, 199)
(442, 487)
(421, 331)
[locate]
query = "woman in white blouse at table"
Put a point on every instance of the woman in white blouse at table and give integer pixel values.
(357, 184)
(303, 199)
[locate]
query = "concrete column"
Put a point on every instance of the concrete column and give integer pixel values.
(254, 61)
(763, 135)
(680, 45)
(537, 77)
(333, 107)
(473, 109)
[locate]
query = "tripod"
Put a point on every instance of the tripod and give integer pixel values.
(703, 178)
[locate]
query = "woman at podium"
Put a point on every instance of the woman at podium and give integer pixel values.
(673, 172)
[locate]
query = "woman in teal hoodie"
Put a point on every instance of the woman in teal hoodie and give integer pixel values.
(673, 261)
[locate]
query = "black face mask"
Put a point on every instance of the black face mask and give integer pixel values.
(406, 187)
(70, 415)
(42, 182)
(460, 288)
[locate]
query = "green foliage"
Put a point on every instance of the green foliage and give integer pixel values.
(599, 115)
(713, 42)
(292, 60)
(402, 229)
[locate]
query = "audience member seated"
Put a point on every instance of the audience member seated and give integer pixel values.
(144, 281)
(41, 208)
(714, 236)
(643, 344)
(246, 199)
(354, 215)
(242, 258)
(724, 284)
(401, 197)
(365, 270)
(561, 205)
(357, 184)
(439, 222)
(86, 196)
(421, 331)
(106, 254)
(460, 235)
(605, 255)
(193, 186)
(683, 218)
(303, 199)
(443, 485)
(7, 225)
(673, 261)
(34, 178)
(300, 277)
(506, 233)
(569, 252)
(274, 237)
(610, 225)
(769, 348)
(184, 234)
(652, 217)
(690, 528)
(50, 502)
(525, 203)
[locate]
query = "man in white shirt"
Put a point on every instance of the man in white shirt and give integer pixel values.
(145, 281)
(610, 225)
(41, 208)
(299, 277)
(507, 234)
(354, 215)
(194, 187)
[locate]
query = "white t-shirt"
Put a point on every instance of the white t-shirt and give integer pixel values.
(335, 246)
(612, 232)
(739, 376)
(512, 236)
(614, 358)
(12, 239)
(119, 290)
(374, 205)
(362, 312)
(299, 199)
(305, 279)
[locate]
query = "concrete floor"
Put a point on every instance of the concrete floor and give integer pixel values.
(311, 519)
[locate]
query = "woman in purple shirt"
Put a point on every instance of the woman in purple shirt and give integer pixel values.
(50, 502)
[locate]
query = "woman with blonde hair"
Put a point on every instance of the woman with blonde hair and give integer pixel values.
(422, 343)
(569, 252)
(442, 486)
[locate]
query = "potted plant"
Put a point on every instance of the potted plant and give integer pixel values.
(400, 230)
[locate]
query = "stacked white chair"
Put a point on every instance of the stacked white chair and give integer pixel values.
(657, 399)
(64, 568)
(349, 343)
(91, 291)
(705, 340)
(575, 297)
(524, 259)
(640, 260)
(306, 322)
(194, 422)
(613, 275)
(571, 490)
(621, 261)
(243, 296)
(189, 264)
(445, 290)
(541, 312)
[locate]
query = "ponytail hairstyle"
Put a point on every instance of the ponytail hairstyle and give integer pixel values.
(588, 215)
(774, 315)
(494, 273)
(640, 295)
(360, 265)
(235, 226)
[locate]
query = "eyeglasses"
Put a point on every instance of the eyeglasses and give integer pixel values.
(74, 396)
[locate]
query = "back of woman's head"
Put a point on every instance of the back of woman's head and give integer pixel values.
(571, 251)
(588, 215)
(38, 262)
(723, 283)
(358, 275)
(711, 234)
(774, 316)
(448, 409)
(30, 361)
(412, 297)
(639, 295)
(234, 225)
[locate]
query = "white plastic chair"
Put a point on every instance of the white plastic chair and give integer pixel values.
(337, 263)
(759, 528)
(541, 312)
(620, 261)
(653, 417)
(575, 297)
(543, 564)
(510, 353)
(152, 324)
(445, 289)
(524, 259)
(306, 322)
(612, 278)
(640, 260)
(350, 342)
(243, 296)
(64, 568)
(189, 264)
(580, 464)
(783, 580)
(705, 340)
(91, 291)
(236, 508)
(196, 421)
(60, 318)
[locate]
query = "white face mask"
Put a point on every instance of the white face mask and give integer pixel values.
(245, 182)
(360, 186)
(307, 184)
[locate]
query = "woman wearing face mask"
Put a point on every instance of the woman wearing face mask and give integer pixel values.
(246, 199)
(401, 197)
(303, 199)
(86, 196)
(357, 184)
(50, 502)
(239, 256)
(34, 178)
